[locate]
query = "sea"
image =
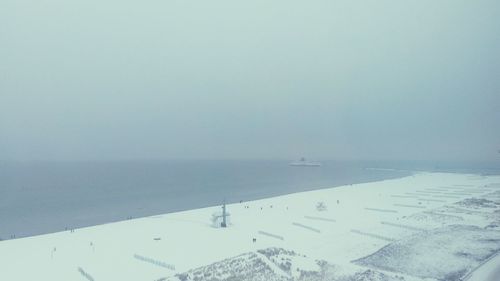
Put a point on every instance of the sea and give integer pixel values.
(44, 197)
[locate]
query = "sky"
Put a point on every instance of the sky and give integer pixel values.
(370, 80)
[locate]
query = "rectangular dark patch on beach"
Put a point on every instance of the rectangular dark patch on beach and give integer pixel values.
(272, 235)
(373, 235)
(319, 218)
(404, 196)
(307, 227)
(431, 200)
(410, 206)
(381, 210)
(409, 227)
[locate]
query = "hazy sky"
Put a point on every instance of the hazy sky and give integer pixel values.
(111, 79)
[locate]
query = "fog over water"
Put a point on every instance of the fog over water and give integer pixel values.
(114, 80)
(117, 109)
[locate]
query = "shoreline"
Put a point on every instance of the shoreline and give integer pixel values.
(95, 203)
(359, 221)
(218, 206)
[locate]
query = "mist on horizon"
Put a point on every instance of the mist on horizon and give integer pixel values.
(366, 80)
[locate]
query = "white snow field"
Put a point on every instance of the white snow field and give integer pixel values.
(429, 226)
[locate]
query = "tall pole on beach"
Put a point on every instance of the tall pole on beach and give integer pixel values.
(224, 214)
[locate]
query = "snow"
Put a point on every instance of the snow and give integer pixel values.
(490, 271)
(445, 253)
(359, 222)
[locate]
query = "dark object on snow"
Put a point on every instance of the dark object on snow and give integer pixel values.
(224, 215)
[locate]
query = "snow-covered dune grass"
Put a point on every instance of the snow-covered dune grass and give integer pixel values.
(446, 253)
(277, 264)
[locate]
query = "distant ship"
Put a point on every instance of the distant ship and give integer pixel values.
(303, 162)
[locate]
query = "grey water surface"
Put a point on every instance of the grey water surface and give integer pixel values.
(46, 197)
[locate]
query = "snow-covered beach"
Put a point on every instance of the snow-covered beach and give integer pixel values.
(429, 226)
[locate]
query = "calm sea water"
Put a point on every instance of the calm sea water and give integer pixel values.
(37, 198)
